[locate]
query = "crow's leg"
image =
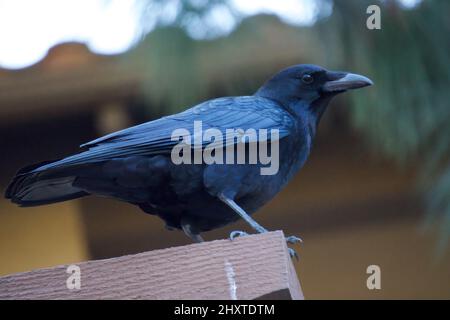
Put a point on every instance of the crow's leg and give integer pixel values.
(195, 236)
(255, 225)
(233, 205)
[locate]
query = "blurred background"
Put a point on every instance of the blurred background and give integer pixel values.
(376, 189)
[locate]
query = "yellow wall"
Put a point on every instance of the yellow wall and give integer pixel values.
(39, 237)
(334, 263)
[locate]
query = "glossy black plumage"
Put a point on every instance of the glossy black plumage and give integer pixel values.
(134, 164)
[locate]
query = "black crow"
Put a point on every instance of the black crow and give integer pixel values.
(136, 165)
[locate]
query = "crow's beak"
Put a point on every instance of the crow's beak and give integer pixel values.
(346, 81)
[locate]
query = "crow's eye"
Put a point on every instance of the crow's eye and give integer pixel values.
(307, 78)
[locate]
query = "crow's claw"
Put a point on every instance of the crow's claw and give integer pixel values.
(293, 239)
(238, 233)
(293, 254)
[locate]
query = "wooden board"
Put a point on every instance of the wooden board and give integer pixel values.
(252, 267)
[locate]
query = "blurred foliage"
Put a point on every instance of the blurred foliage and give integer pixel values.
(405, 115)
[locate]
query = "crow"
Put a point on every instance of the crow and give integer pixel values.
(136, 164)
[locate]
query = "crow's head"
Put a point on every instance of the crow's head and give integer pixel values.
(310, 87)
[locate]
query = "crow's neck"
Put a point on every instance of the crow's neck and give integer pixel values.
(309, 114)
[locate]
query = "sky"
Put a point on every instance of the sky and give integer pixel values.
(29, 28)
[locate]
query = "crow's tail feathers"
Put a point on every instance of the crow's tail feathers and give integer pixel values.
(33, 188)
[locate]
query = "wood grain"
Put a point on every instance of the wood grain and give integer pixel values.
(252, 267)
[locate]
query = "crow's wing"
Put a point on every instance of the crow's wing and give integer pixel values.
(155, 137)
